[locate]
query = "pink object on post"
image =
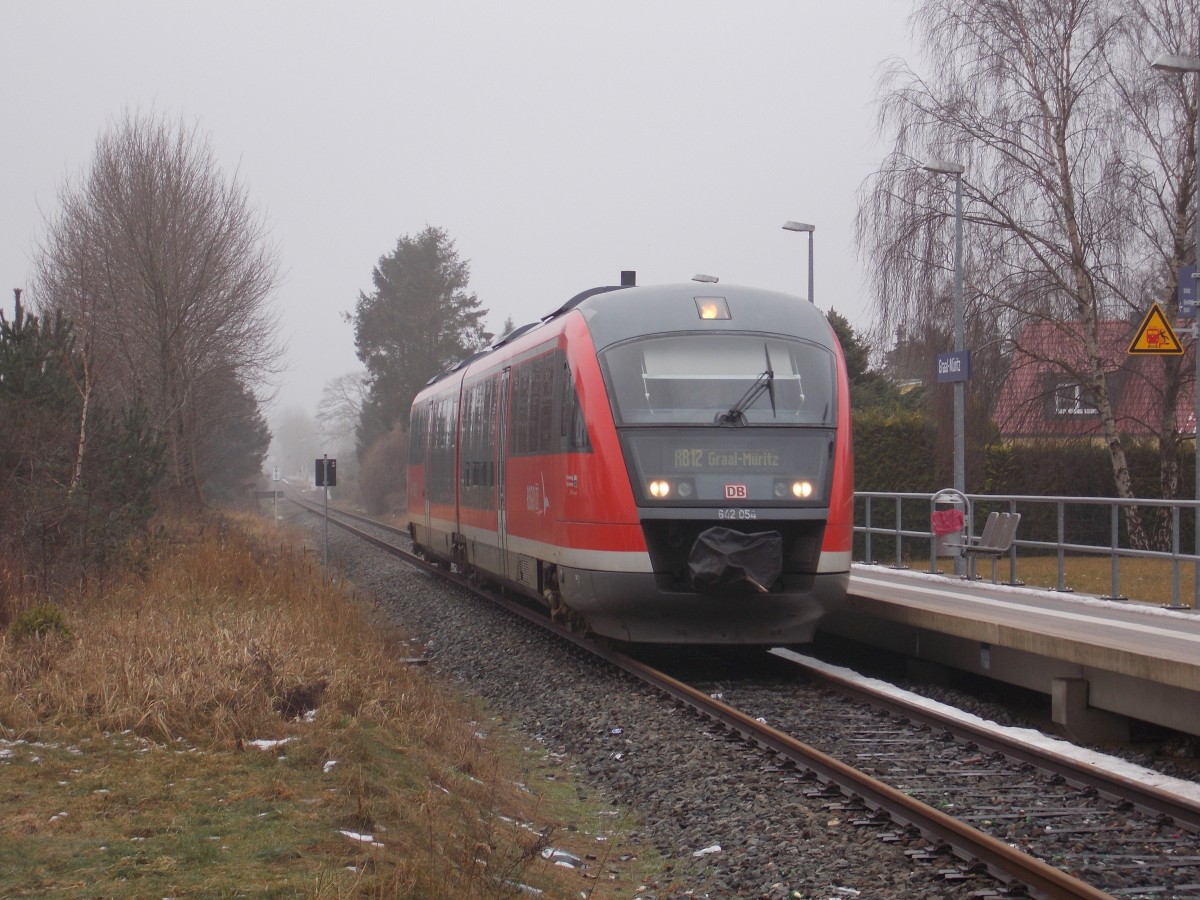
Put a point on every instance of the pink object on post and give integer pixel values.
(947, 521)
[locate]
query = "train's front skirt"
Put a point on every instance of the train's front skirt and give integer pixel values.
(724, 604)
(723, 560)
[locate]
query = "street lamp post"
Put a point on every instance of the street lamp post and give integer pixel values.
(1171, 62)
(960, 451)
(800, 226)
(960, 430)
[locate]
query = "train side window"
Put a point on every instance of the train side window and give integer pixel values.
(518, 437)
(545, 415)
(534, 407)
(579, 441)
(417, 431)
(564, 418)
(490, 426)
(477, 455)
(441, 476)
(544, 386)
(573, 428)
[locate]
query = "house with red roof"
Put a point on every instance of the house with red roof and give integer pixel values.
(1045, 395)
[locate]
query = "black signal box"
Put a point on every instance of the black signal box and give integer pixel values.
(326, 473)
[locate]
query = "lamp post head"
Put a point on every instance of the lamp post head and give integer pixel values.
(944, 167)
(1173, 62)
(799, 226)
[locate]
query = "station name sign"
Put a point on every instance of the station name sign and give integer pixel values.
(1186, 292)
(954, 366)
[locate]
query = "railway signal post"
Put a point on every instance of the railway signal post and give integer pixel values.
(326, 477)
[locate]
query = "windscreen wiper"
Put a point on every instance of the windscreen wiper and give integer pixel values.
(736, 415)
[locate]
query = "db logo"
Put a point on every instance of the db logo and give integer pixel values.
(736, 492)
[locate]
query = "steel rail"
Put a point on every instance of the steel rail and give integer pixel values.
(1145, 797)
(374, 523)
(1001, 860)
(1005, 863)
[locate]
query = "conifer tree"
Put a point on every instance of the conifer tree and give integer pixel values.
(63, 511)
(419, 320)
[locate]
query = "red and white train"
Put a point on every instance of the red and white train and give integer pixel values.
(667, 464)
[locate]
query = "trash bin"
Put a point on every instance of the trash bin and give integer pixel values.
(947, 521)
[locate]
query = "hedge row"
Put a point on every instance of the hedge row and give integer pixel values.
(907, 452)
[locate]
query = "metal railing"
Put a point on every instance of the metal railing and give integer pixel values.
(909, 516)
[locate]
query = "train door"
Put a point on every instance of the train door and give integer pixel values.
(501, 470)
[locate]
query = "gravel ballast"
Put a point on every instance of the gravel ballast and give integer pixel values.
(690, 788)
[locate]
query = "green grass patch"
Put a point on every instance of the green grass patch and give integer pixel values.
(128, 766)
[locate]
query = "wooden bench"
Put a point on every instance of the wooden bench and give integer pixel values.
(999, 532)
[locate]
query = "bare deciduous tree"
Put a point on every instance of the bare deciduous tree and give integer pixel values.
(167, 269)
(1155, 117)
(1050, 106)
(341, 405)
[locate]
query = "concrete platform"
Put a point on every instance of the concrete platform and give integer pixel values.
(1101, 662)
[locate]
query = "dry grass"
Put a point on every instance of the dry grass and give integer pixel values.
(1139, 580)
(126, 759)
(208, 646)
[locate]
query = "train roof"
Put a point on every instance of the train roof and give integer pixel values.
(617, 313)
(631, 312)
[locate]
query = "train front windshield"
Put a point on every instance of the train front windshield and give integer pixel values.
(723, 379)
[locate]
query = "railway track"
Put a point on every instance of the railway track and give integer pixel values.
(1059, 805)
(1045, 825)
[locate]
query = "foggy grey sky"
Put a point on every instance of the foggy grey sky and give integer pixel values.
(556, 142)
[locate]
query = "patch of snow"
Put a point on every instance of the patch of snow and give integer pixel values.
(562, 858)
(266, 744)
(361, 838)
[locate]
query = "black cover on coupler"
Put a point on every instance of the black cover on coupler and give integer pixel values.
(722, 558)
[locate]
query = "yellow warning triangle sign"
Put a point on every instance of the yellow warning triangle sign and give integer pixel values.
(1155, 336)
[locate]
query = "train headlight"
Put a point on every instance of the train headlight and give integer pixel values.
(660, 488)
(712, 308)
(684, 489)
(800, 489)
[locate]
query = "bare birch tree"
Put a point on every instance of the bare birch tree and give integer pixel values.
(1035, 99)
(1155, 118)
(167, 269)
(77, 276)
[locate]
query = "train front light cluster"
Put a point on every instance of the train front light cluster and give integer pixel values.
(800, 489)
(685, 489)
(666, 489)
